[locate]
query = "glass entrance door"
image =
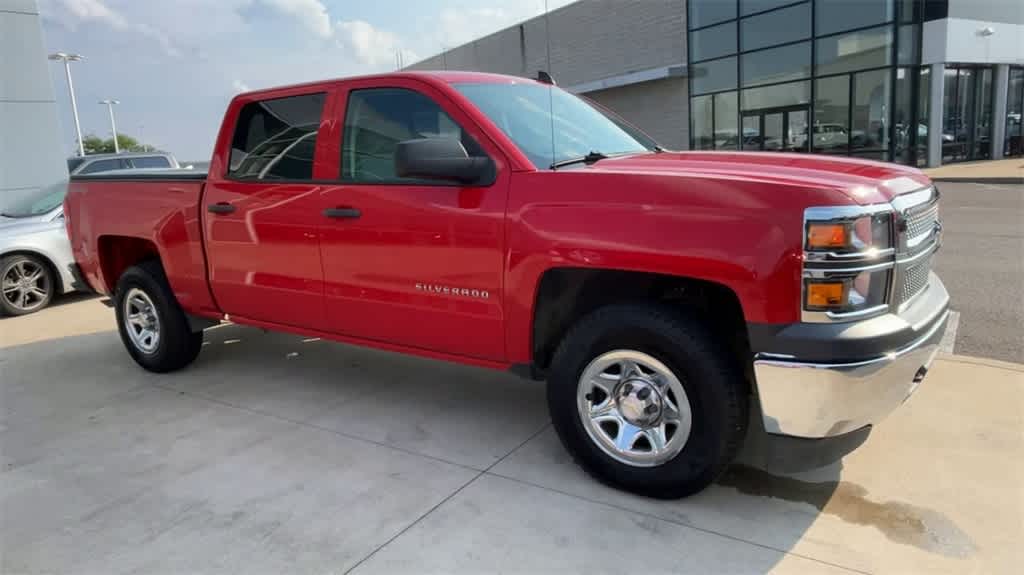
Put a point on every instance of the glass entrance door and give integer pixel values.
(776, 130)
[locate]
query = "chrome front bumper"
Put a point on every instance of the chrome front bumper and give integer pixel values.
(816, 399)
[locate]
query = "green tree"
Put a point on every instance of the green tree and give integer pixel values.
(93, 144)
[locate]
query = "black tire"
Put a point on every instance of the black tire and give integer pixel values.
(46, 282)
(714, 384)
(178, 345)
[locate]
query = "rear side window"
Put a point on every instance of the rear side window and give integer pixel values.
(150, 162)
(276, 139)
(101, 166)
(377, 119)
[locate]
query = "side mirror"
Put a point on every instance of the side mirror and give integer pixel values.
(442, 159)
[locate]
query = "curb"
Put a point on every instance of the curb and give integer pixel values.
(979, 180)
(970, 359)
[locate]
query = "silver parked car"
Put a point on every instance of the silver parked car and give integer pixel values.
(96, 163)
(35, 254)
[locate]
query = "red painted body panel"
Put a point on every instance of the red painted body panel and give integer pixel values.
(163, 213)
(277, 262)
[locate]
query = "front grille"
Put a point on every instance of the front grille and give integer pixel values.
(921, 222)
(915, 278)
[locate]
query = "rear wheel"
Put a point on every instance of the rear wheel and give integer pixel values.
(27, 284)
(152, 325)
(646, 401)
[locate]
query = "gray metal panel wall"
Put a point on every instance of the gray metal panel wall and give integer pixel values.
(31, 155)
(658, 108)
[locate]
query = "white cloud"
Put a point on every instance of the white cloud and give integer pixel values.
(240, 86)
(72, 12)
(311, 13)
(371, 46)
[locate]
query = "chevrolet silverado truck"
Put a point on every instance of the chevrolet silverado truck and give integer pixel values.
(680, 306)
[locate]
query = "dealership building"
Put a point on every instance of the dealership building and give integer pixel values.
(920, 82)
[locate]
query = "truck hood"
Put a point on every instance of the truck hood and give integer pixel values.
(863, 181)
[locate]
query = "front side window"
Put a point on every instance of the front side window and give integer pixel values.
(378, 119)
(101, 166)
(276, 139)
(550, 125)
(150, 162)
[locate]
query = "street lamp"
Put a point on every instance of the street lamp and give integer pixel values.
(113, 127)
(68, 59)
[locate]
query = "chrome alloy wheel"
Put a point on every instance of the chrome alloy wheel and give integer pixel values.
(25, 285)
(141, 321)
(634, 408)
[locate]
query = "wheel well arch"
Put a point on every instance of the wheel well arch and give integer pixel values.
(118, 253)
(47, 261)
(564, 295)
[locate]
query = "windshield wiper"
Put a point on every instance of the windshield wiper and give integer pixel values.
(588, 159)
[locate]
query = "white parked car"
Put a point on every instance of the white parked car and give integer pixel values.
(35, 254)
(96, 163)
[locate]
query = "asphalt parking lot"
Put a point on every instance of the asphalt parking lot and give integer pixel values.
(982, 265)
(275, 453)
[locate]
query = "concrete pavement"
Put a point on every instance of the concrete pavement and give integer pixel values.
(1009, 171)
(276, 453)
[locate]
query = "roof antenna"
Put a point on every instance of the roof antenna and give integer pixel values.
(545, 78)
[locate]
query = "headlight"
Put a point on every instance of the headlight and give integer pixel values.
(846, 293)
(860, 235)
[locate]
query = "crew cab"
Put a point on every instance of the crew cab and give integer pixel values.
(680, 305)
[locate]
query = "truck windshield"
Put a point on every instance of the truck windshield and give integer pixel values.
(552, 126)
(38, 203)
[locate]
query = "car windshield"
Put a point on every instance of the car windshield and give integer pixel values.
(38, 203)
(550, 125)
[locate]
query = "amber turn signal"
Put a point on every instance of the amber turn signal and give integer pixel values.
(826, 295)
(824, 236)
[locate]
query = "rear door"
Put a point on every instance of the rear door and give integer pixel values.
(412, 262)
(261, 213)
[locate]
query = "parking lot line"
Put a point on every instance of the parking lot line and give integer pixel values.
(948, 343)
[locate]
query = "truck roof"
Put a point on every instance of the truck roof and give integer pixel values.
(442, 76)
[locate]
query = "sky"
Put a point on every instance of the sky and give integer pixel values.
(175, 64)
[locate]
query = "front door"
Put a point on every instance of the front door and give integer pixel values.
(412, 262)
(776, 130)
(261, 217)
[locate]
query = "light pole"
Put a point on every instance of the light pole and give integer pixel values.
(113, 127)
(68, 59)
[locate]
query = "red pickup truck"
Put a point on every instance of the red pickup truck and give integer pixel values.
(680, 306)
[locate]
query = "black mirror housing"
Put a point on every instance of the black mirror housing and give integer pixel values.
(442, 159)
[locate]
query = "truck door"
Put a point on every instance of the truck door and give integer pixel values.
(412, 262)
(260, 213)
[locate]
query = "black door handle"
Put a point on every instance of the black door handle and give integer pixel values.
(350, 213)
(220, 208)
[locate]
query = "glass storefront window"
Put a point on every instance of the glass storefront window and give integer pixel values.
(983, 116)
(776, 64)
(854, 51)
(831, 132)
(869, 117)
(713, 42)
(701, 118)
(713, 75)
(726, 114)
(950, 146)
(776, 96)
(752, 6)
(838, 15)
(902, 116)
(1014, 109)
(907, 46)
(963, 113)
(924, 89)
(706, 12)
(778, 27)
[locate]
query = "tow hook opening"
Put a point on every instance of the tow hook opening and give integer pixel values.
(921, 372)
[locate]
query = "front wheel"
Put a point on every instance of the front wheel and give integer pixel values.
(645, 400)
(27, 284)
(152, 325)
